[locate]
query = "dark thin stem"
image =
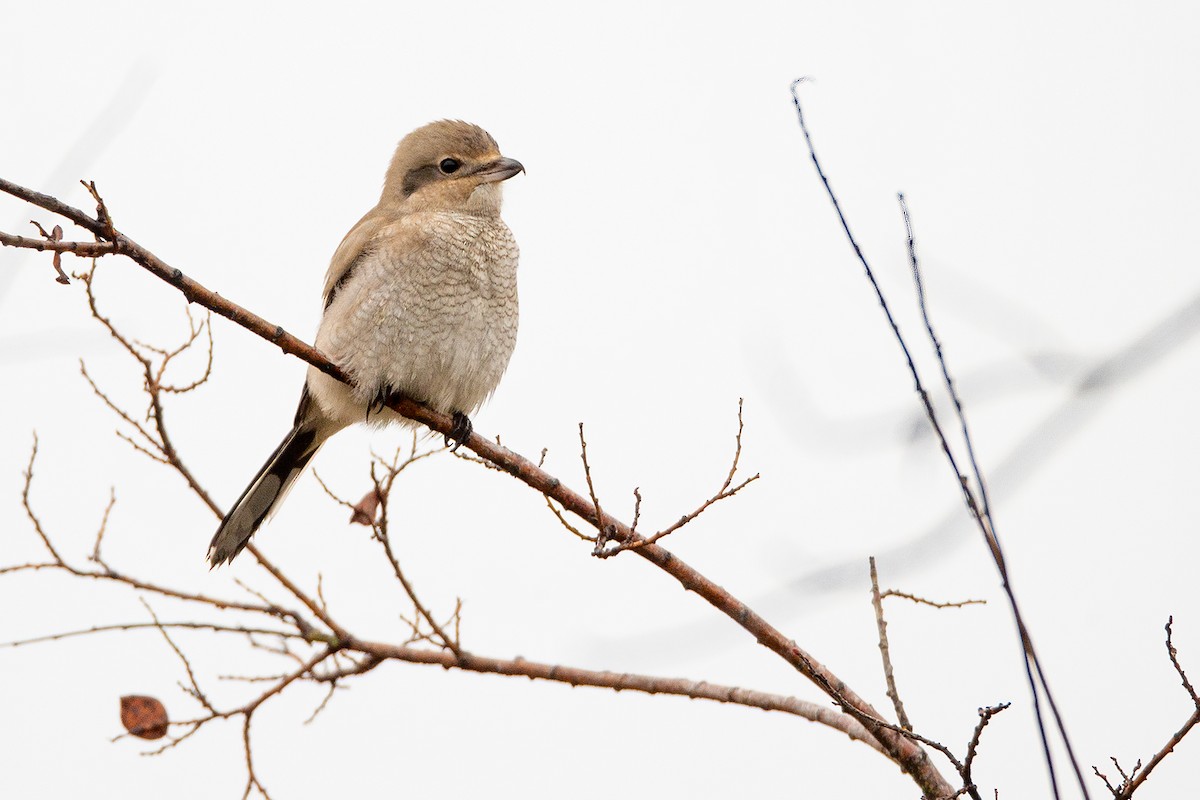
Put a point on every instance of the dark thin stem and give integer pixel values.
(980, 483)
(982, 512)
(973, 505)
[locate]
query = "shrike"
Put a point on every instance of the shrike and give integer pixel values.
(420, 298)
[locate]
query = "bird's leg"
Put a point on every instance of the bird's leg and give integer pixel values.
(460, 432)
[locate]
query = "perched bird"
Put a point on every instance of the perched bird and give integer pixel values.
(420, 298)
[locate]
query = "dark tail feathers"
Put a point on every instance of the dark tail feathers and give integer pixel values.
(265, 492)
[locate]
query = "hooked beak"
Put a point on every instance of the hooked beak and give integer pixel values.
(499, 170)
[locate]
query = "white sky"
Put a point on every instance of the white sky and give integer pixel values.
(677, 253)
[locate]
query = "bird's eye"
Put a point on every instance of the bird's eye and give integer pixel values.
(449, 165)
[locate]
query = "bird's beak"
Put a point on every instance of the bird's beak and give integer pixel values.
(499, 170)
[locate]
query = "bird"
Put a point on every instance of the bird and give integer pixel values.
(420, 298)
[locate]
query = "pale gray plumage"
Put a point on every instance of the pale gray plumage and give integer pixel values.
(420, 298)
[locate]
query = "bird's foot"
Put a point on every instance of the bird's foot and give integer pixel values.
(460, 432)
(379, 401)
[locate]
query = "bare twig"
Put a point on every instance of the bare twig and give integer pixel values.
(562, 519)
(985, 716)
(980, 484)
(37, 523)
(726, 491)
(106, 573)
(442, 639)
(603, 535)
(1173, 654)
(57, 246)
(112, 501)
(133, 626)
(884, 651)
(194, 689)
(922, 601)
(974, 506)
(252, 781)
(683, 687)
(1129, 783)
(911, 758)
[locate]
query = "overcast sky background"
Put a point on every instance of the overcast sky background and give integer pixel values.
(678, 253)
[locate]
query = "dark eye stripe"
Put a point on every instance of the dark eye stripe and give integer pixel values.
(416, 178)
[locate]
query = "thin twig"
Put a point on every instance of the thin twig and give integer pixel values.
(1139, 775)
(884, 651)
(133, 626)
(1173, 654)
(985, 716)
(195, 691)
(1032, 665)
(723, 493)
(911, 758)
(112, 501)
(934, 603)
(562, 519)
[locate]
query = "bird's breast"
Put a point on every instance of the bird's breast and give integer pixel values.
(431, 310)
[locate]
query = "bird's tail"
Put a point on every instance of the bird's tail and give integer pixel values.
(264, 494)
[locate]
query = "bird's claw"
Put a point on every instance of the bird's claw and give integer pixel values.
(460, 432)
(379, 402)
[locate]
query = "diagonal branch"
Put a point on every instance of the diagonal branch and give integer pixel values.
(899, 747)
(682, 687)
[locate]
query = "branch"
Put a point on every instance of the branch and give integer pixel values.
(985, 716)
(892, 692)
(726, 491)
(683, 687)
(81, 249)
(1129, 783)
(981, 517)
(906, 753)
(921, 601)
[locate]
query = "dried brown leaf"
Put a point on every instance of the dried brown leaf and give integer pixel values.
(144, 716)
(366, 509)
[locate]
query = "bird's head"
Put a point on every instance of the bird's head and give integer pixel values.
(448, 165)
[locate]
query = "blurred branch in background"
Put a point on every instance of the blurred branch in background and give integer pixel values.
(94, 138)
(1091, 383)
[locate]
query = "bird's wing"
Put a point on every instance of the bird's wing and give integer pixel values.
(355, 244)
